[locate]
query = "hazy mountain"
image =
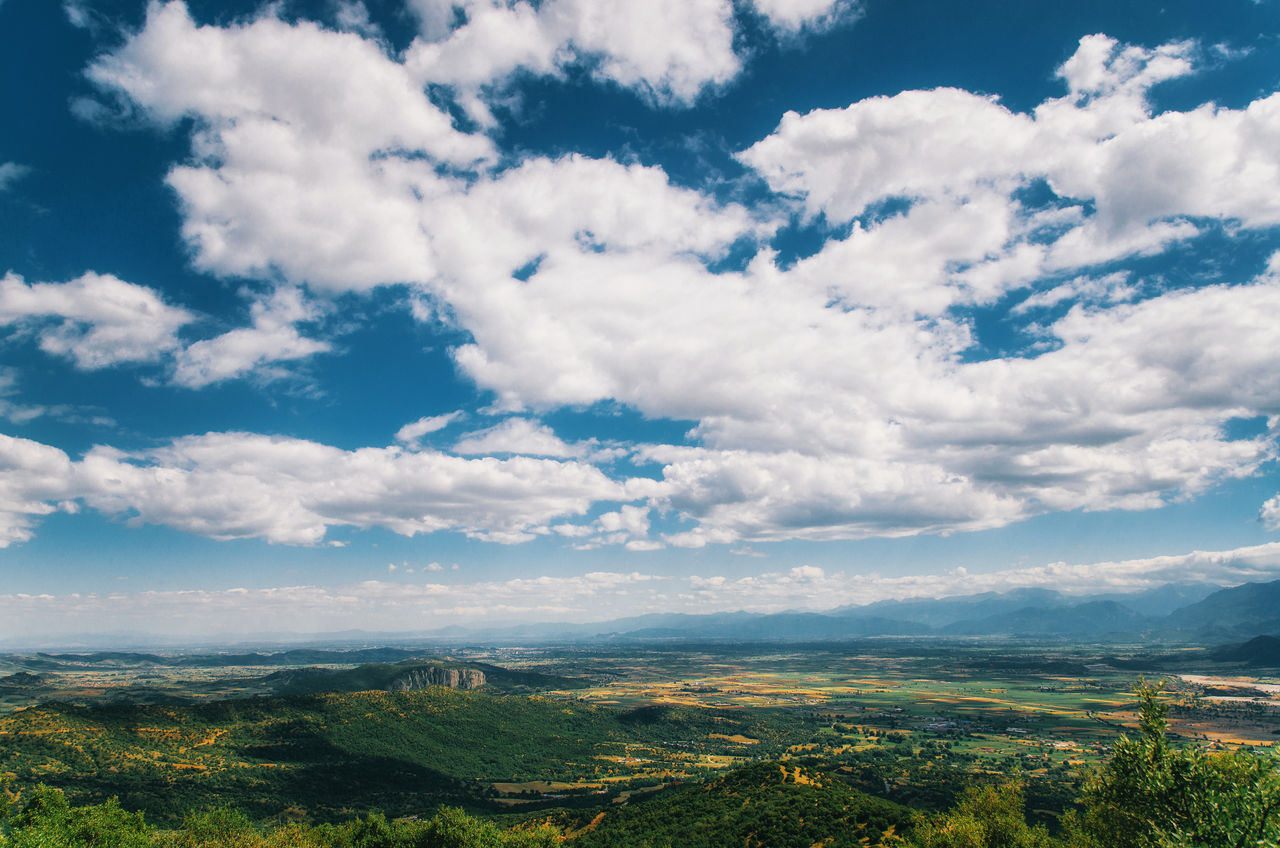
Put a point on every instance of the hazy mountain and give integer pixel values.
(784, 626)
(1239, 612)
(1093, 618)
(1161, 600)
(940, 612)
(1258, 651)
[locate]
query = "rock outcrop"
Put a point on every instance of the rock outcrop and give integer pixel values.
(422, 677)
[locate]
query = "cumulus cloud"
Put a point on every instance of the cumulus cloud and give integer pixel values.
(273, 337)
(795, 15)
(842, 396)
(33, 477)
(761, 497)
(291, 491)
(310, 146)
(99, 321)
(96, 320)
(1099, 144)
(1111, 288)
(669, 50)
(918, 143)
(1270, 513)
(515, 435)
(239, 485)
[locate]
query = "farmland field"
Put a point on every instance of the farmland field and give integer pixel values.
(579, 727)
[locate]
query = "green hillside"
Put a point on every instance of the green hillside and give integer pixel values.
(324, 757)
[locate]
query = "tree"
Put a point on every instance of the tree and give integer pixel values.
(44, 819)
(1151, 795)
(984, 817)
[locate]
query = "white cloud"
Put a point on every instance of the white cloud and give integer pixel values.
(515, 435)
(32, 478)
(912, 262)
(385, 604)
(240, 485)
(410, 433)
(794, 15)
(918, 143)
(670, 52)
(402, 604)
(837, 398)
(308, 146)
(671, 48)
(291, 491)
(273, 337)
(353, 16)
(18, 413)
(1099, 143)
(1270, 513)
(667, 49)
(333, 87)
(631, 520)
(1108, 289)
(96, 320)
(761, 497)
(817, 590)
(11, 172)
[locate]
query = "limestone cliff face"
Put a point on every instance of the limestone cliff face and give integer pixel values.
(454, 678)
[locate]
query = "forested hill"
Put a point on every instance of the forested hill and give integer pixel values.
(328, 755)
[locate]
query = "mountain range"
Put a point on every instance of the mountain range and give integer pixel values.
(1199, 612)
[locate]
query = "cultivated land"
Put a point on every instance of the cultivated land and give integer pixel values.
(586, 728)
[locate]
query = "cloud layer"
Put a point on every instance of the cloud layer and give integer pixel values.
(425, 603)
(848, 393)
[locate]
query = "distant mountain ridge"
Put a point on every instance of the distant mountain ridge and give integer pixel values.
(1190, 611)
(1241, 611)
(1186, 611)
(1258, 651)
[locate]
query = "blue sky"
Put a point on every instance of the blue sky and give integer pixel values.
(393, 315)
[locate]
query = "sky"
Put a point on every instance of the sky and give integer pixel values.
(320, 315)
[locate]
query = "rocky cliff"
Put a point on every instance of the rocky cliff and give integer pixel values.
(422, 677)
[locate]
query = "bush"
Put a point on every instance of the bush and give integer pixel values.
(1150, 795)
(44, 819)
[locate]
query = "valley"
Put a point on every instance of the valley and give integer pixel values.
(595, 727)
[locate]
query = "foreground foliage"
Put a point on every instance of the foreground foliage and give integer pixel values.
(1150, 795)
(45, 820)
